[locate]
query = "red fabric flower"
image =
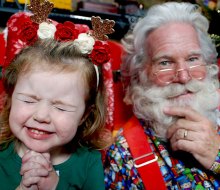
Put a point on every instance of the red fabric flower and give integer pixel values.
(66, 31)
(28, 32)
(100, 53)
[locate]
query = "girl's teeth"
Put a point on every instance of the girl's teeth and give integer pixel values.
(38, 132)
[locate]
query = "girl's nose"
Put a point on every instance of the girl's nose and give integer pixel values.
(42, 113)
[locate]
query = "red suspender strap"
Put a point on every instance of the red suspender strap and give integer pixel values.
(144, 159)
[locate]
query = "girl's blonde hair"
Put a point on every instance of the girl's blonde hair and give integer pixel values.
(50, 55)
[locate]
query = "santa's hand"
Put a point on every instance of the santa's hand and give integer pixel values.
(193, 133)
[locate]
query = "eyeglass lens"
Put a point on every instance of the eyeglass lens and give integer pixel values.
(169, 75)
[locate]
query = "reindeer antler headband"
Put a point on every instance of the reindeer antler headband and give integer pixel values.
(90, 42)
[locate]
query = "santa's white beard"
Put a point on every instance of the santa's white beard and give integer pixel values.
(149, 102)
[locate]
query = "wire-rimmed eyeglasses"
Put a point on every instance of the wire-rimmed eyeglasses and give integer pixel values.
(167, 76)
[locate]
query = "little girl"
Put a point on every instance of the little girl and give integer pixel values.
(52, 122)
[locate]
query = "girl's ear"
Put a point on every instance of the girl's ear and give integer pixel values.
(86, 114)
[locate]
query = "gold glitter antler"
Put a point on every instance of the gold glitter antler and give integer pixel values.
(102, 27)
(40, 10)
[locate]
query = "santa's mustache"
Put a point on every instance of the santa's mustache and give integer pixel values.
(155, 94)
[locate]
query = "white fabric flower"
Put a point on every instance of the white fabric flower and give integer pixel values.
(85, 43)
(46, 30)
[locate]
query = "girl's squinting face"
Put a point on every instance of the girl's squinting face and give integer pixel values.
(46, 109)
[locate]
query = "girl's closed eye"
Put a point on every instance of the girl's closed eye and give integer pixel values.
(64, 108)
(26, 99)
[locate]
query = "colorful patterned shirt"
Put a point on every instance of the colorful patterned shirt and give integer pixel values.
(180, 170)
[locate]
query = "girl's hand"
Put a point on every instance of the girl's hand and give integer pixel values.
(37, 172)
(32, 187)
(195, 134)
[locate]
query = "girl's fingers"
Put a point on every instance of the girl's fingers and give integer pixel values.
(40, 158)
